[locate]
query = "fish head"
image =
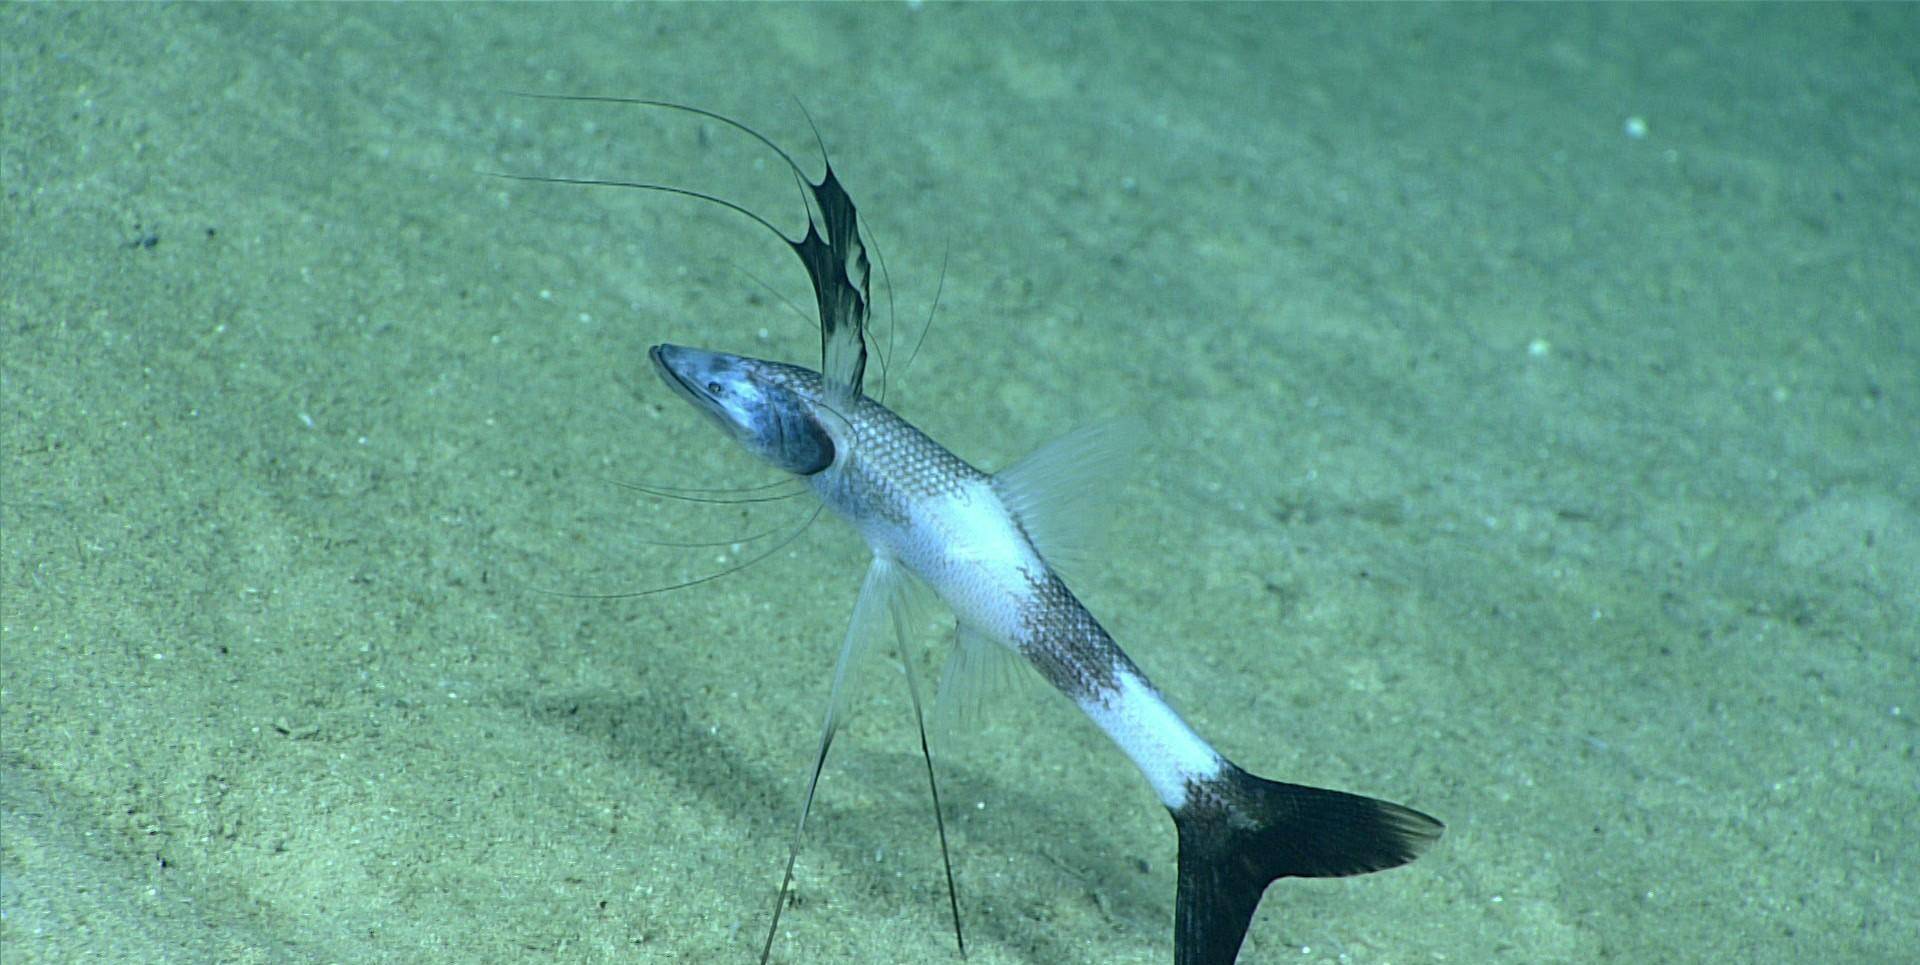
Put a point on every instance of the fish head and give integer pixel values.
(770, 408)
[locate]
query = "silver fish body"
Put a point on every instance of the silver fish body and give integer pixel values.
(928, 512)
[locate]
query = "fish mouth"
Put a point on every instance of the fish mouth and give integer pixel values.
(663, 357)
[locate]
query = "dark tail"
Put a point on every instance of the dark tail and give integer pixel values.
(1239, 832)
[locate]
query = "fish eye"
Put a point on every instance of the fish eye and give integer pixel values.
(713, 388)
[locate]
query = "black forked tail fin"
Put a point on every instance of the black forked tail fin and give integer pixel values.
(1239, 832)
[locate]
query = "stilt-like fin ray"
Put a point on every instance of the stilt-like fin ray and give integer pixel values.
(901, 618)
(877, 609)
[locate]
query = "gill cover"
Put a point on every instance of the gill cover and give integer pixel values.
(749, 400)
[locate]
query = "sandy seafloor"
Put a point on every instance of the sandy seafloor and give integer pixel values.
(1558, 481)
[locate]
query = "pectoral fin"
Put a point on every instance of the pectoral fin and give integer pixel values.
(837, 264)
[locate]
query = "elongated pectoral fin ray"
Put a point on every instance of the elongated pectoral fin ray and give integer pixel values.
(1240, 832)
(836, 262)
(880, 603)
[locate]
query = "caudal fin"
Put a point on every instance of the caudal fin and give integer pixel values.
(1239, 832)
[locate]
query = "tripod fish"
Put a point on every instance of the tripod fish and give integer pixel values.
(980, 542)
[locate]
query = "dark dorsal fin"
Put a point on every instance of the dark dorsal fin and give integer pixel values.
(836, 263)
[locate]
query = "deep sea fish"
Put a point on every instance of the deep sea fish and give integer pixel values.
(981, 543)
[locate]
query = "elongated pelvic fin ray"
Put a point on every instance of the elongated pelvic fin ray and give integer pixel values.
(901, 610)
(888, 601)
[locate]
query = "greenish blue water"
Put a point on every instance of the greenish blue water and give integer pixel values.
(1531, 406)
